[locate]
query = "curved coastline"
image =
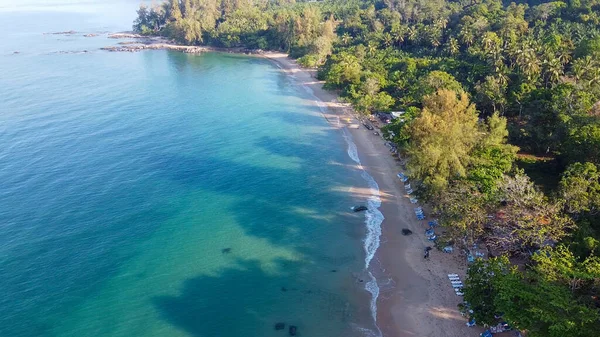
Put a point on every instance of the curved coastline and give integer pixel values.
(410, 297)
(415, 299)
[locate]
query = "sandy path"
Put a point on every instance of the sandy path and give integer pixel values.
(422, 302)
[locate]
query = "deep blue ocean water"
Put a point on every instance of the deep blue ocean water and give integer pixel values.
(165, 194)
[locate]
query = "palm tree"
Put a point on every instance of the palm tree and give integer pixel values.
(453, 47)
(466, 36)
(553, 69)
(441, 23)
(412, 34)
(583, 67)
(398, 34)
(388, 40)
(346, 38)
(564, 56)
(528, 63)
(594, 77)
(371, 48)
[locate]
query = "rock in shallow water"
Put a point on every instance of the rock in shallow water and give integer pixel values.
(359, 208)
(279, 326)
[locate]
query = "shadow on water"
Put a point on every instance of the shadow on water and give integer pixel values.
(300, 120)
(250, 69)
(298, 208)
(243, 311)
(277, 193)
(299, 211)
(183, 61)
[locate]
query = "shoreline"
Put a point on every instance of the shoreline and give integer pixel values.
(421, 302)
(141, 42)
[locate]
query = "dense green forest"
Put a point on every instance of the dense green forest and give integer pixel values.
(501, 126)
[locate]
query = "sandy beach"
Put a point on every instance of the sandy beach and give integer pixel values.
(420, 300)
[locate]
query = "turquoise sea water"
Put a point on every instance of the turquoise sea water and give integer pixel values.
(125, 176)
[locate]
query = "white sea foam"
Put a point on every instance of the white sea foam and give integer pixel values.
(353, 150)
(367, 332)
(373, 220)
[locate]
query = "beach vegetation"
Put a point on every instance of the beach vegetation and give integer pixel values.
(441, 139)
(555, 295)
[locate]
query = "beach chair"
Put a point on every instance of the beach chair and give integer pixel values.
(432, 238)
(407, 186)
(413, 200)
(448, 249)
(457, 285)
(456, 282)
(449, 275)
(459, 293)
(402, 177)
(409, 191)
(432, 223)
